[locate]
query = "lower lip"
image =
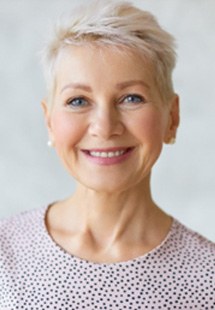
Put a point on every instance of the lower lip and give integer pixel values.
(107, 161)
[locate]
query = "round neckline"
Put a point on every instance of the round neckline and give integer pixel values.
(61, 250)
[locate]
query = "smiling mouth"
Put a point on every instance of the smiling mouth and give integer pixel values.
(108, 154)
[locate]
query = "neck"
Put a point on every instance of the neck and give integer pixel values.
(110, 217)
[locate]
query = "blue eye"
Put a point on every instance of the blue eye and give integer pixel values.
(77, 102)
(133, 99)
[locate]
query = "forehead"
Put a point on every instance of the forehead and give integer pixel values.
(103, 58)
(102, 65)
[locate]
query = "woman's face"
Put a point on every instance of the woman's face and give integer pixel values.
(107, 122)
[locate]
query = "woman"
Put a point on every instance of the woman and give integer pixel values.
(110, 108)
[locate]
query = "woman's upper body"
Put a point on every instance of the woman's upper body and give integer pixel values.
(37, 273)
(110, 108)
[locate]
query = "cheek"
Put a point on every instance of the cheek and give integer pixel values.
(66, 130)
(148, 126)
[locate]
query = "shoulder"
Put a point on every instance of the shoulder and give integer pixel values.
(192, 248)
(17, 222)
(20, 228)
(191, 239)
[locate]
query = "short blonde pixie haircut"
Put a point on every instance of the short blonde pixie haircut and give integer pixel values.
(114, 23)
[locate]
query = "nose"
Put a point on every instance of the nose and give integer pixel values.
(106, 123)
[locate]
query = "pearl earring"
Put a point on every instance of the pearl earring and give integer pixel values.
(50, 143)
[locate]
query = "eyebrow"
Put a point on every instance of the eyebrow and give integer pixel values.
(77, 86)
(121, 85)
(131, 83)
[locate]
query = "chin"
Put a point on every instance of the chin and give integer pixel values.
(110, 186)
(112, 183)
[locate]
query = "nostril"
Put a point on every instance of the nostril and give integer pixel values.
(106, 126)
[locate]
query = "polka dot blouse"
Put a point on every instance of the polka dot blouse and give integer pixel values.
(36, 273)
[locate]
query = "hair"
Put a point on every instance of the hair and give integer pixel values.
(114, 23)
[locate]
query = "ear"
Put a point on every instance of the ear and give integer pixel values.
(47, 117)
(174, 119)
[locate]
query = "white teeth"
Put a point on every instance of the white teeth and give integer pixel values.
(107, 154)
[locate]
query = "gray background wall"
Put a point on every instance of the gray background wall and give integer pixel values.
(31, 175)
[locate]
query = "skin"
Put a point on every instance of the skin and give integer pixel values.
(111, 216)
